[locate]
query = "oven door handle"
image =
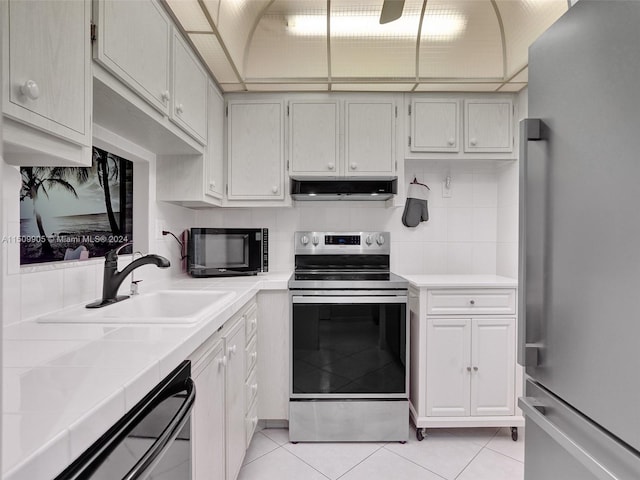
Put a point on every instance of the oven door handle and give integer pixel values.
(349, 299)
(152, 456)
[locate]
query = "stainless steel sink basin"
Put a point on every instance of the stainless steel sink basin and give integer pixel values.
(165, 306)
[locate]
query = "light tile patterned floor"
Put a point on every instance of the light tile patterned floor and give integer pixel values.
(449, 454)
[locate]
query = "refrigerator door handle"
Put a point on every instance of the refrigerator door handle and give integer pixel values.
(534, 409)
(530, 130)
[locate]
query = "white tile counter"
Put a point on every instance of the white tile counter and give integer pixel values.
(460, 281)
(65, 384)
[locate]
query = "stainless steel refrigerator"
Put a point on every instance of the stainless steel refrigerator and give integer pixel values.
(580, 246)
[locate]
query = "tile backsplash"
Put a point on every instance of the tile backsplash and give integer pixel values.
(461, 236)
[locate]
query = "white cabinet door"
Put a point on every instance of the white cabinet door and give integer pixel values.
(235, 342)
(487, 126)
(370, 137)
(435, 125)
(214, 154)
(256, 150)
(208, 416)
(493, 366)
(313, 137)
(136, 51)
(47, 66)
(189, 100)
(448, 367)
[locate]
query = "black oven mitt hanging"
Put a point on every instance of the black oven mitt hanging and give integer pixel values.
(415, 209)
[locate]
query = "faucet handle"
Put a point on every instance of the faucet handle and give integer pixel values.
(133, 289)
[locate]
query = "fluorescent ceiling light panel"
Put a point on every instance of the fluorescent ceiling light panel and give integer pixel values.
(436, 26)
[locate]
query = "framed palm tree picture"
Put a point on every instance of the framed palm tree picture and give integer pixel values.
(75, 213)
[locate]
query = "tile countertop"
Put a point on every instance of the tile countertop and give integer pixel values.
(64, 385)
(461, 281)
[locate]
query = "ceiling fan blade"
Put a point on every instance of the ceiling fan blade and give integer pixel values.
(391, 10)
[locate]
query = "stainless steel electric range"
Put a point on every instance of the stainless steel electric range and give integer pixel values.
(349, 374)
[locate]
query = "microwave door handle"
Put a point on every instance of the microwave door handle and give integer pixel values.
(152, 456)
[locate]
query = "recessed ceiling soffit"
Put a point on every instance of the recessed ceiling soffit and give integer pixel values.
(320, 45)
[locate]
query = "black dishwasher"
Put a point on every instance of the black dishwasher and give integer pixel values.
(152, 441)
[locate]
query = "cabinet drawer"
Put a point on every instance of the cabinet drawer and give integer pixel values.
(251, 354)
(252, 321)
(500, 301)
(250, 390)
(251, 422)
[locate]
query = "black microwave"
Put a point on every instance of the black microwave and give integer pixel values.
(225, 252)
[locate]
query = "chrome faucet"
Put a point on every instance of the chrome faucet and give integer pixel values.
(113, 278)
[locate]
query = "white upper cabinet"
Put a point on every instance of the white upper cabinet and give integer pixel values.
(468, 126)
(255, 150)
(136, 51)
(370, 137)
(46, 61)
(189, 91)
(314, 137)
(152, 59)
(214, 153)
(488, 125)
(435, 125)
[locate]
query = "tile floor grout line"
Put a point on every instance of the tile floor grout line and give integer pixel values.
(260, 456)
(368, 456)
(303, 461)
(417, 464)
(469, 463)
(505, 455)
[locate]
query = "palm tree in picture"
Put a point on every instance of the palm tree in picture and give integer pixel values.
(38, 179)
(108, 168)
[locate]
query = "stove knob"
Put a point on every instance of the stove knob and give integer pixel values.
(369, 240)
(304, 239)
(315, 240)
(380, 240)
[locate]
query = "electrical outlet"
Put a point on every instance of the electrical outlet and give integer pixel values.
(160, 226)
(446, 190)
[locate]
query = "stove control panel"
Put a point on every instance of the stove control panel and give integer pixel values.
(342, 243)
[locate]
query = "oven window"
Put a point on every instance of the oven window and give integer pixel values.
(349, 348)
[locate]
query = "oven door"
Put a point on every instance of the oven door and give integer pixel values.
(349, 346)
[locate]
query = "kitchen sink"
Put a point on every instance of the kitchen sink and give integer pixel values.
(165, 306)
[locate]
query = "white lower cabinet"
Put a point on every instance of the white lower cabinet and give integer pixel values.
(463, 365)
(470, 366)
(208, 418)
(235, 408)
(224, 409)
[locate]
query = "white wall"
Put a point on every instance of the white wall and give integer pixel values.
(508, 195)
(460, 236)
(35, 290)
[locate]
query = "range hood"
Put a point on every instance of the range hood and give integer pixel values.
(343, 188)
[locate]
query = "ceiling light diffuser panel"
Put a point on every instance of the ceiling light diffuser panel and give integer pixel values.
(215, 58)
(524, 21)
(276, 51)
(190, 15)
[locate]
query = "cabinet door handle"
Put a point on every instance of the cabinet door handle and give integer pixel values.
(331, 166)
(451, 141)
(222, 362)
(472, 302)
(475, 369)
(353, 166)
(254, 322)
(30, 89)
(166, 96)
(180, 108)
(254, 356)
(231, 350)
(468, 369)
(473, 141)
(274, 189)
